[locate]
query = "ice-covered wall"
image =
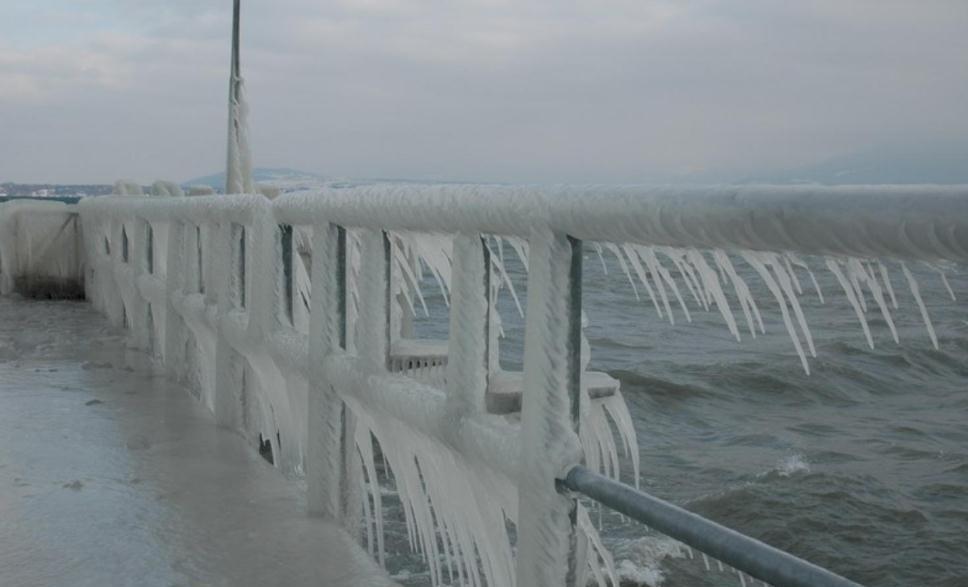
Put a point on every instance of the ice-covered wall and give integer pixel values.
(40, 252)
(319, 367)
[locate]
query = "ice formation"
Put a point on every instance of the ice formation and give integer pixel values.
(198, 281)
(38, 245)
(127, 187)
(238, 169)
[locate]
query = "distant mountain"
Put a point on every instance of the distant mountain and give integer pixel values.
(906, 164)
(279, 175)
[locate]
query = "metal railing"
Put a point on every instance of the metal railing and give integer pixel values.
(240, 307)
(758, 560)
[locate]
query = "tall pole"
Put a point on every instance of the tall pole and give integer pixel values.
(232, 171)
(235, 43)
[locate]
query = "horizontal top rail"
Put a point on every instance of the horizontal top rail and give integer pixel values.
(60, 199)
(905, 222)
(912, 222)
(238, 208)
(37, 207)
(741, 552)
(512, 211)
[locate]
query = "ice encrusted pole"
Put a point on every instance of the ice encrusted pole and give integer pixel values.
(467, 366)
(238, 167)
(138, 321)
(229, 364)
(326, 336)
(547, 531)
(174, 286)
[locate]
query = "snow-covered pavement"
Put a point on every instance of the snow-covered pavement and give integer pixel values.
(112, 475)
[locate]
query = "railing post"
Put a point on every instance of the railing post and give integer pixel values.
(211, 243)
(113, 288)
(286, 275)
(174, 286)
(547, 531)
(229, 365)
(264, 257)
(138, 320)
(468, 353)
(374, 292)
(373, 349)
(327, 335)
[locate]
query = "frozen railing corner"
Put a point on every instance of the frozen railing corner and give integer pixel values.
(40, 249)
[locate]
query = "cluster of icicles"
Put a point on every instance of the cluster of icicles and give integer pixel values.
(458, 514)
(707, 278)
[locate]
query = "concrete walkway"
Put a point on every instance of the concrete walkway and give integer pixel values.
(111, 475)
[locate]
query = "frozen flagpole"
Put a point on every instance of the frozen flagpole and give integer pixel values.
(238, 167)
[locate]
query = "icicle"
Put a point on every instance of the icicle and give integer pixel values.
(648, 255)
(711, 283)
(643, 276)
(618, 410)
(753, 258)
(813, 278)
(746, 301)
(685, 269)
(597, 550)
(793, 275)
(878, 294)
(916, 292)
(785, 286)
(520, 247)
(667, 277)
(886, 279)
(944, 280)
(834, 267)
(598, 251)
(854, 278)
(403, 262)
(625, 268)
(505, 278)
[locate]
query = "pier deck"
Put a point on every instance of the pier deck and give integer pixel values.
(112, 475)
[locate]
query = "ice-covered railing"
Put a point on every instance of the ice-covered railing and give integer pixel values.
(220, 311)
(766, 226)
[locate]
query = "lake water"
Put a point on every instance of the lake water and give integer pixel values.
(861, 466)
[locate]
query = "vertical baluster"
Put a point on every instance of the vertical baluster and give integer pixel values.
(548, 541)
(114, 285)
(467, 366)
(137, 260)
(210, 242)
(375, 300)
(229, 364)
(263, 273)
(373, 348)
(174, 342)
(327, 335)
(287, 274)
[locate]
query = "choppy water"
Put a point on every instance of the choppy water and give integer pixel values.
(861, 466)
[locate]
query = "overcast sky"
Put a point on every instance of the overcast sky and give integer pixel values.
(492, 90)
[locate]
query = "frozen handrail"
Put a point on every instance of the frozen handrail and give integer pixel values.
(219, 247)
(238, 208)
(906, 222)
(743, 553)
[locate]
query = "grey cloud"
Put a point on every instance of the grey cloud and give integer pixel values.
(551, 90)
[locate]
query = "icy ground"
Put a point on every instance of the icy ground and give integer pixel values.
(112, 475)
